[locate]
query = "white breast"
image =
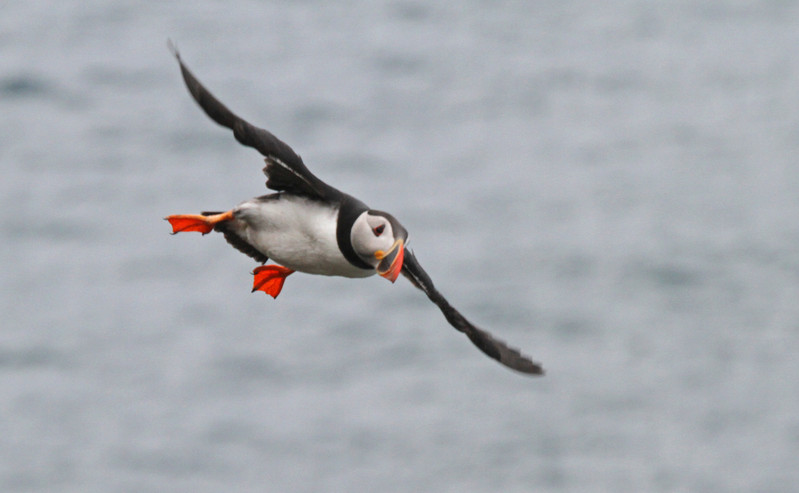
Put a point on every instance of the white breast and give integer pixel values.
(295, 232)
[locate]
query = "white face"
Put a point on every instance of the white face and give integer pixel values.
(371, 234)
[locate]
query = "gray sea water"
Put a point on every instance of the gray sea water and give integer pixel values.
(611, 186)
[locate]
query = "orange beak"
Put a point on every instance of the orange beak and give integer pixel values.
(390, 264)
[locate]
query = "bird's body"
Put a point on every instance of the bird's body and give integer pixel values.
(309, 226)
(296, 232)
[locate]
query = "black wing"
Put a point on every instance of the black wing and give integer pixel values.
(508, 356)
(284, 168)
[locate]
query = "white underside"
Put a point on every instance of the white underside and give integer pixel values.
(296, 233)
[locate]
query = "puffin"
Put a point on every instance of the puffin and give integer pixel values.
(309, 226)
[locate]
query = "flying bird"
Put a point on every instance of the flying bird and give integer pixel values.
(309, 226)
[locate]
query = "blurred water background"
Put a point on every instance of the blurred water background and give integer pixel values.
(611, 186)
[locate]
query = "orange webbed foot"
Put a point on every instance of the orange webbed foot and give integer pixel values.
(270, 279)
(197, 222)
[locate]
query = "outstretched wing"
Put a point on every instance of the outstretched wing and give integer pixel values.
(495, 348)
(284, 168)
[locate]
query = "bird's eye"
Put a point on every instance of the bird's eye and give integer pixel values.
(379, 230)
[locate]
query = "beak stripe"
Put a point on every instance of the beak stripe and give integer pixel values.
(390, 264)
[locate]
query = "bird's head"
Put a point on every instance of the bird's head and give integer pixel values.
(379, 240)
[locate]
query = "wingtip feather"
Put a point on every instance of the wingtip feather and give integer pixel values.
(173, 48)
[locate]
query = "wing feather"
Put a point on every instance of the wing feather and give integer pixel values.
(493, 347)
(284, 168)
